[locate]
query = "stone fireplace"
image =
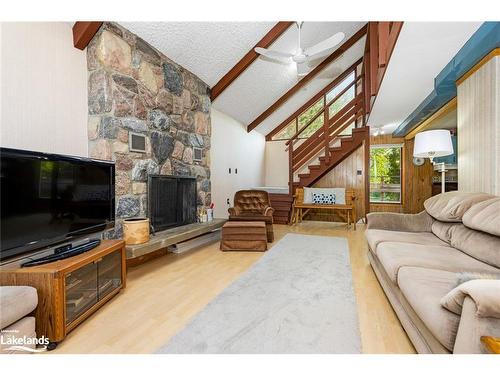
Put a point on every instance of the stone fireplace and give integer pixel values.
(132, 87)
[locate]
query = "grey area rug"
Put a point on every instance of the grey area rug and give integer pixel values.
(298, 298)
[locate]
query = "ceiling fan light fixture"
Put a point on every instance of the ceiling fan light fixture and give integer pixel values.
(302, 57)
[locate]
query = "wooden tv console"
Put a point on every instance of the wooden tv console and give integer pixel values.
(72, 289)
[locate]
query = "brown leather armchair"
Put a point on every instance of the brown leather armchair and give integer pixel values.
(253, 205)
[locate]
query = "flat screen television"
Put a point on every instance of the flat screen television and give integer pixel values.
(48, 199)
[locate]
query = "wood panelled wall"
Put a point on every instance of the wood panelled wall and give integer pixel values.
(344, 175)
(417, 180)
(478, 119)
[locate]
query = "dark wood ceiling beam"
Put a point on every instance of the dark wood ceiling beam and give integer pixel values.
(249, 58)
(333, 56)
(83, 32)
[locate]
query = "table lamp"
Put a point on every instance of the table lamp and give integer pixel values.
(432, 144)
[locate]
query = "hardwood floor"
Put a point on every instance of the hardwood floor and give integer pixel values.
(165, 293)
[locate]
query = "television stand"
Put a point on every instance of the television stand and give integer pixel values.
(71, 289)
(67, 252)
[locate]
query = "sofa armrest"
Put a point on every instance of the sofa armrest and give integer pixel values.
(268, 211)
(420, 222)
(478, 304)
(233, 211)
(472, 327)
(484, 292)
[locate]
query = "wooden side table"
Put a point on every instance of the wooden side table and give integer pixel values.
(491, 343)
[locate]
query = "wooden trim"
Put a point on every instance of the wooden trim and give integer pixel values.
(391, 43)
(373, 66)
(444, 110)
(332, 57)
(491, 343)
(383, 42)
(249, 58)
(83, 32)
(313, 100)
(475, 68)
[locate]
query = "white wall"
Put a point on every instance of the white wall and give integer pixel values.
(478, 117)
(232, 147)
(276, 164)
(43, 92)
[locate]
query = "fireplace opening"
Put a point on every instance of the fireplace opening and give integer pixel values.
(171, 201)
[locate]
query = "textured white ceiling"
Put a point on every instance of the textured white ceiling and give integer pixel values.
(422, 51)
(261, 84)
(207, 49)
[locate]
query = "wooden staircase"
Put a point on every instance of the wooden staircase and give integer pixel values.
(329, 145)
(342, 132)
(335, 156)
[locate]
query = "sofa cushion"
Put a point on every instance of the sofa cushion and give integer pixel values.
(395, 255)
(377, 236)
(423, 288)
(480, 245)
(484, 216)
(451, 206)
(15, 303)
(442, 230)
(24, 327)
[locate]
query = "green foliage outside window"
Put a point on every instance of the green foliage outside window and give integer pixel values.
(306, 116)
(287, 132)
(385, 174)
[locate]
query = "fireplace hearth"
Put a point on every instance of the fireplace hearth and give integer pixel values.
(171, 201)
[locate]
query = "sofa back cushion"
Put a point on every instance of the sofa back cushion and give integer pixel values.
(443, 230)
(484, 216)
(451, 206)
(482, 246)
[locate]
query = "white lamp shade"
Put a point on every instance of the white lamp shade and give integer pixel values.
(433, 144)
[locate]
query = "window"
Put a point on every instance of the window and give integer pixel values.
(287, 132)
(309, 113)
(385, 174)
(345, 98)
(313, 117)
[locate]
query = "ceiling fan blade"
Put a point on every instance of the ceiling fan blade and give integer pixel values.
(274, 55)
(325, 45)
(303, 69)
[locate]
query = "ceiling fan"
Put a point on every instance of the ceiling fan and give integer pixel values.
(302, 57)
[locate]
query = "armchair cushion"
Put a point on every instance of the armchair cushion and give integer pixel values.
(251, 217)
(484, 292)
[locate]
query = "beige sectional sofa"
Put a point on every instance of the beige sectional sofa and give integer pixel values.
(16, 302)
(440, 269)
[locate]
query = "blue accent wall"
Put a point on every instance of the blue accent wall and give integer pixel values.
(482, 42)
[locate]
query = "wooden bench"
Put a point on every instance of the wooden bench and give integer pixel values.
(300, 209)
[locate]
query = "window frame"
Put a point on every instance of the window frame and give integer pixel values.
(400, 146)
